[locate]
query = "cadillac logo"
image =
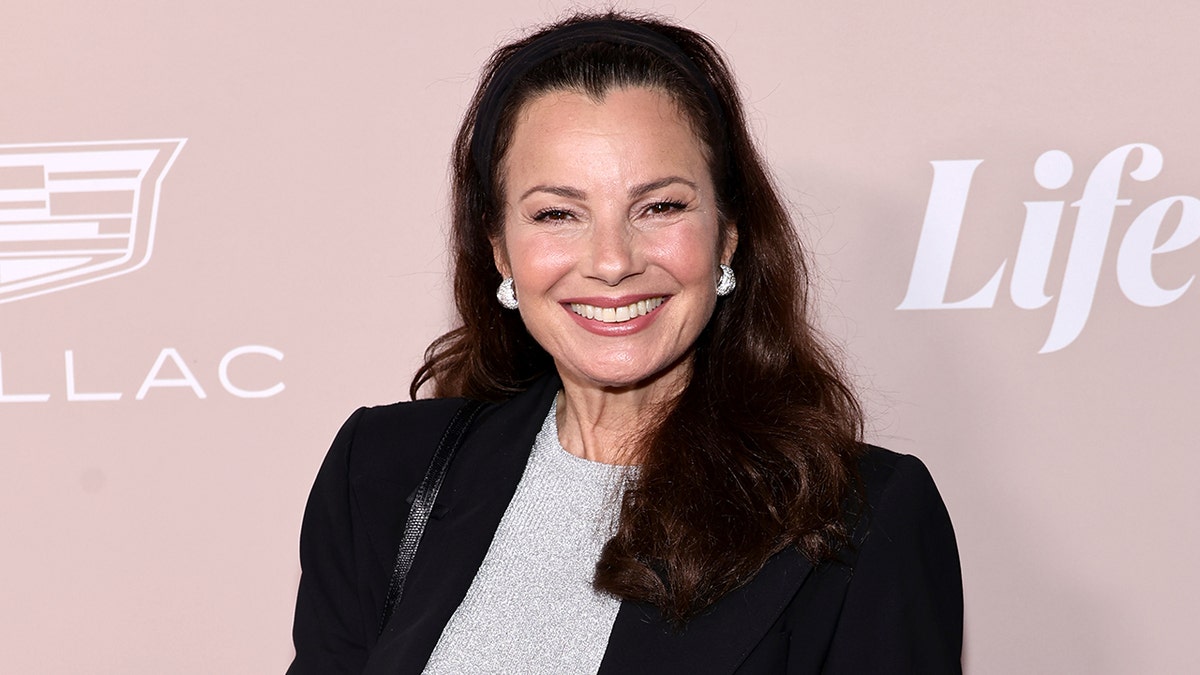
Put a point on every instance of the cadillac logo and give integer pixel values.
(76, 213)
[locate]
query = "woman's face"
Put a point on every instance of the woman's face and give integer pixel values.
(611, 234)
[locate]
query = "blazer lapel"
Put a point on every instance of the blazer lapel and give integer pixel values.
(717, 641)
(482, 479)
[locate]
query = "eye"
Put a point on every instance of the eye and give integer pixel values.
(552, 214)
(663, 207)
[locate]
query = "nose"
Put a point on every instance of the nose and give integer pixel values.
(613, 254)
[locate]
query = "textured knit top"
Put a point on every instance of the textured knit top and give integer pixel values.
(531, 607)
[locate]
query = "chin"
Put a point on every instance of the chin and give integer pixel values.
(627, 376)
(614, 381)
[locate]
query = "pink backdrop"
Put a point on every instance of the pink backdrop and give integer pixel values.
(185, 323)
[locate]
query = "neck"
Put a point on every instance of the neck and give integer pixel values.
(603, 424)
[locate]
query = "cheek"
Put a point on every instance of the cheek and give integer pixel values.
(689, 255)
(539, 261)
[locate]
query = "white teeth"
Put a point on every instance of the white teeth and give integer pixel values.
(617, 314)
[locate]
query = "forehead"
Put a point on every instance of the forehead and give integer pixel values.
(629, 129)
(642, 98)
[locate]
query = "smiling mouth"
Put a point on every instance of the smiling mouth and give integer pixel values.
(617, 314)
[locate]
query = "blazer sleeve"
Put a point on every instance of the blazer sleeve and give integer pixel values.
(903, 610)
(330, 631)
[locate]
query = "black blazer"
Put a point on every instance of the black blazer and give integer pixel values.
(890, 603)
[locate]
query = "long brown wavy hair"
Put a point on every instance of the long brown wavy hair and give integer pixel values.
(759, 450)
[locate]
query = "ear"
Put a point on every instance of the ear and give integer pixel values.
(500, 257)
(729, 239)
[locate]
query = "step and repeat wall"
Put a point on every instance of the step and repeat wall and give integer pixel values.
(222, 229)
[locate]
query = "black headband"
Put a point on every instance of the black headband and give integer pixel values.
(610, 31)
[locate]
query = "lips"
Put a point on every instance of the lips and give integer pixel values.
(618, 313)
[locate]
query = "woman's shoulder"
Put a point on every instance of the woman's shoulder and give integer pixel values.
(395, 438)
(403, 436)
(405, 415)
(887, 476)
(902, 503)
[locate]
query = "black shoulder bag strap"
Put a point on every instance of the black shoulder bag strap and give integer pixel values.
(422, 503)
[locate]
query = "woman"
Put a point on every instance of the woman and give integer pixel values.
(668, 475)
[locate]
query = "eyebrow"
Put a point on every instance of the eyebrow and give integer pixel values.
(636, 191)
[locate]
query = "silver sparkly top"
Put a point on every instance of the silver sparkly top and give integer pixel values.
(531, 608)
